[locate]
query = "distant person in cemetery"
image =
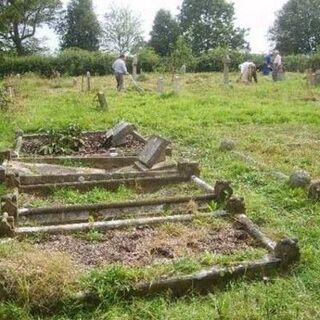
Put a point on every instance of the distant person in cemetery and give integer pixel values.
(248, 71)
(267, 61)
(120, 70)
(277, 66)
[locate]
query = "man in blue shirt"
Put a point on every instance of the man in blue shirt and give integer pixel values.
(120, 70)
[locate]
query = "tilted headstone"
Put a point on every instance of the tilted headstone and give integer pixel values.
(102, 100)
(118, 135)
(160, 85)
(135, 67)
(88, 81)
(154, 151)
(183, 69)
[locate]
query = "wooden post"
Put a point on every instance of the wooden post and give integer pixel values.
(88, 81)
(102, 100)
(226, 62)
(135, 67)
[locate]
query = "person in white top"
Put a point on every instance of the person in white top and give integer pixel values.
(248, 70)
(120, 70)
(277, 66)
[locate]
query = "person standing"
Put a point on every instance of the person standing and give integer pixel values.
(120, 70)
(277, 66)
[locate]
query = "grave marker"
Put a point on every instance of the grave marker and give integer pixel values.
(118, 135)
(154, 151)
(160, 85)
(135, 67)
(102, 100)
(176, 85)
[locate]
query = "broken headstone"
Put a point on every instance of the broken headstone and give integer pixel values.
(154, 151)
(188, 169)
(223, 191)
(299, 179)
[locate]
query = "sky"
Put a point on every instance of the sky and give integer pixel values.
(257, 15)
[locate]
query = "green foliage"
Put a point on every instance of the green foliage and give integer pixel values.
(148, 59)
(80, 28)
(210, 24)
(182, 55)
(165, 33)
(5, 99)
(63, 141)
(297, 27)
(110, 284)
(73, 62)
(20, 20)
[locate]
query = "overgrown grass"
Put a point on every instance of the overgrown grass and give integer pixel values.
(275, 123)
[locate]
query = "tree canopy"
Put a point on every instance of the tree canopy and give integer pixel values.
(19, 20)
(165, 32)
(209, 24)
(122, 30)
(79, 27)
(297, 27)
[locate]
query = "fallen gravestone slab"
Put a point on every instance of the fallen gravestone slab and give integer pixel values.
(154, 151)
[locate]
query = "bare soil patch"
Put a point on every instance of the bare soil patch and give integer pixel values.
(93, 143)
(148, 245)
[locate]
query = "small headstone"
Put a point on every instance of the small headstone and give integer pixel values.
(300, 179)
(288, 252)
(183, 69)
(74, 82)
(188, 169)
(176, 85)
(227, 145)
(119, 133)
(160, 85)
(154, 151)
(102, 100)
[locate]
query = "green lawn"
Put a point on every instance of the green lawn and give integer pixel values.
(277, 124)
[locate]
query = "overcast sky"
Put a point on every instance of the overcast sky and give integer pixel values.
(257, 15)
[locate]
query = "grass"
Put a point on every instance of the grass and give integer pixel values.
(275, 123)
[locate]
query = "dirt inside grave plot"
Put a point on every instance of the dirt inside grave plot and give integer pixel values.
(145, 246)
(93, 143)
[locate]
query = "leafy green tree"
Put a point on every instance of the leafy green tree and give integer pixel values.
(165, 32)
(297, 27)
(19, 20)
(209, 24)
(181, 55)
(122, 30)
(80, 27)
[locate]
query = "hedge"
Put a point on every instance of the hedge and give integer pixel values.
(75, 62)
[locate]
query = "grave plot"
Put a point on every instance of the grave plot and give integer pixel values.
(136, 211)
(114, 148)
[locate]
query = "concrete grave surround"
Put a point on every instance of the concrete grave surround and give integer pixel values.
(145, 172)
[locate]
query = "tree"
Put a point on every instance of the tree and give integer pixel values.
(181, 55)
(80, 27)
(122, 29)
(209, 24)
(297, 27)
(19, 20)
(165, 32)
